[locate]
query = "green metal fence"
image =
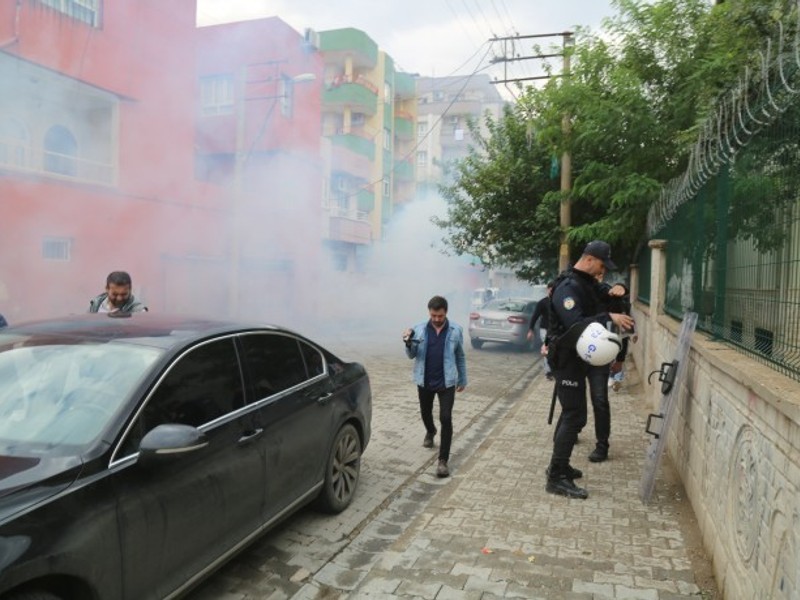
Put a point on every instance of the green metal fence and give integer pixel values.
(733, 249)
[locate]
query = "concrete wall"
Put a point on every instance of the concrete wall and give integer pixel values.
(735, 440)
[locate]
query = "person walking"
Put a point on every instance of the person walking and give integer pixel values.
(576, 303)
(440, 369)
(117, 297)
(542, 314)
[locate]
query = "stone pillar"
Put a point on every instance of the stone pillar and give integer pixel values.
(658, 290)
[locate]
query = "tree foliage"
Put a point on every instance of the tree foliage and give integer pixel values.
(633, 100)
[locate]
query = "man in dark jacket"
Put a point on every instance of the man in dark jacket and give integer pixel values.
(542, 314)
(117, 297)
(576, 302)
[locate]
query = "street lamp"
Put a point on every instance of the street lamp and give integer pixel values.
(242, 154)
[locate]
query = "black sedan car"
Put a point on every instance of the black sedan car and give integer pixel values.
(138, 453)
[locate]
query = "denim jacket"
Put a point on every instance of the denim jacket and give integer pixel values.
(455, 362)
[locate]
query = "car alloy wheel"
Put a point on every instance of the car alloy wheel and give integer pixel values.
(341, 474)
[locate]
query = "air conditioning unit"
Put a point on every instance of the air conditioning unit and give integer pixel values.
(311, 39)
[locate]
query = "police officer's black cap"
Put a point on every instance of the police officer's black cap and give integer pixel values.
(602, 251)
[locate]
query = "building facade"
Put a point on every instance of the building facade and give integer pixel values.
(96, 160)
(445, 106)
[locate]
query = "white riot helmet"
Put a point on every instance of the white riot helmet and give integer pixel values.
(597, 345)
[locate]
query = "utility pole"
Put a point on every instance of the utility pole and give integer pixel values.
(565, 211)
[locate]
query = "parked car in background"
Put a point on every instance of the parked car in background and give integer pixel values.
(138, 453)
(504, 321)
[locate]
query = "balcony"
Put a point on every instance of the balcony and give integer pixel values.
(365, 201)
(349, 226)
(24, 159)
(403, 170)
(404, 86)
(353, 155)
(339, 44)
(403, 126)
(358, 94)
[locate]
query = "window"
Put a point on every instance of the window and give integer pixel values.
(458, 135)
(422, 158)
(13, 143)
(56, 249)
(422, 128)
(87, 11)
(357, 119)
(315, 363)
(438, 96)
(60, 151)
(387, 92)
(274, 362)
(216, 94)
(387, 138)
(203, 385)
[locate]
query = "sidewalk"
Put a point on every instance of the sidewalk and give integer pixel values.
(491, 531)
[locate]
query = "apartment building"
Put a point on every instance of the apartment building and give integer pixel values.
(96, 159)
(368, 111)
(258, 139)
(444, 107)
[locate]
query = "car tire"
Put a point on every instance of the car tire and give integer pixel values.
(34, 595)
(477, 344)
(341, 471)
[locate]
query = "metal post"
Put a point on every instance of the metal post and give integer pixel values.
(565, 216)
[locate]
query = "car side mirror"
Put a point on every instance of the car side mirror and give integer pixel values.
(170, 440)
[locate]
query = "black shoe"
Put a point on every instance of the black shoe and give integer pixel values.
(564, 486)
(428, 441)
(441, 469)
(599, 454)
(549, 377)
(572, 472)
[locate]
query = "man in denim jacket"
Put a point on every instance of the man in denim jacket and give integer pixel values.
(440, 369)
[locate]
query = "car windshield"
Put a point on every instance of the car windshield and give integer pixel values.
(58, 397)
(507, 305)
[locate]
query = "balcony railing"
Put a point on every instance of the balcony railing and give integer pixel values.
(15, 156)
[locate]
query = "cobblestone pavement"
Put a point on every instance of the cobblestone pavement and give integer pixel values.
(488, 531)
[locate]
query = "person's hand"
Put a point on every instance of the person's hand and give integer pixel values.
(460, 388)
(618, 290)
(407, 333)
(616, 367)
(529, 335)
(623, 321)
(543, 351)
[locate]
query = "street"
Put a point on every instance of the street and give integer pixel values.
(394, 467)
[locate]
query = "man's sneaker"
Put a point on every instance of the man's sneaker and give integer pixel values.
(572, 472)
(599, 454)
(549, 377)
(616, 386)
(428, 441)
(441, 469)
(563, 486)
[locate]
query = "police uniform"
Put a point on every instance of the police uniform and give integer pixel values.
(577, 301)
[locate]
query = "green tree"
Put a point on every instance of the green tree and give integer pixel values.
(634, 100)
(495, 210)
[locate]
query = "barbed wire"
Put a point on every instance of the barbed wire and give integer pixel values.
(754, 102)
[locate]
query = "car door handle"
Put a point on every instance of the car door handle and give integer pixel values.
(323, 399)
(250, 435)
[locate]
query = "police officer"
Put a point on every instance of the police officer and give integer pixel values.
(577, 301)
